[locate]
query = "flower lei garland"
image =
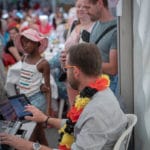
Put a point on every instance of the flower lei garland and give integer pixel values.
(66, 132)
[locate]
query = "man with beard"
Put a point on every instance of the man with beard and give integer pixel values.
(104, 35)
(91, 123)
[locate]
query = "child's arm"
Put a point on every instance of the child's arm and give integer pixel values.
(45, 69)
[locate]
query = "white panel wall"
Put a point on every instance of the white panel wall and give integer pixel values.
(125, 46)
(142, 73)
(134, 66)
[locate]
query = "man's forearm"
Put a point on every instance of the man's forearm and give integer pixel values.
(109, 69)
(55, 122)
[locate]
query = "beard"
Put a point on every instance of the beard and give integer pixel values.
(94, 17)
(74, 83)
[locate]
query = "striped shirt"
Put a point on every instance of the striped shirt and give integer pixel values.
(30, 79)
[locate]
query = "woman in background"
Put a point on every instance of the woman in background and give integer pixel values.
(84, 24)
(11, 54)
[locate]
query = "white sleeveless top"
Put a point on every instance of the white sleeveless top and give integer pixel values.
(30, 79)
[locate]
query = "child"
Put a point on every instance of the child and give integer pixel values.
(34, 69)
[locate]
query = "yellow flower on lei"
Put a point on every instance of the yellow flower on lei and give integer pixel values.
(81, 102)
(67, 140)
(106, 77)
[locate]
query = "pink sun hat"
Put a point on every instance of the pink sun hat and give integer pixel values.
(32, 35)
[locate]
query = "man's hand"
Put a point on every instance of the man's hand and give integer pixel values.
(15, 142)
(38, 115)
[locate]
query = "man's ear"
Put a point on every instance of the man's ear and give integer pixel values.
(76, 72)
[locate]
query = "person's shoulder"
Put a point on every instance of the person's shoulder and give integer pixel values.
(100, 102)
(96, 24)
(105, 96)
(43, 65)
(96, 30)
(77, 28)
(107, 23)
(44, 61)
(113, 23)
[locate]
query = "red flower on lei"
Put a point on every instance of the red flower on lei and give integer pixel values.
(74, 114)
(101, 83)
(63, 147)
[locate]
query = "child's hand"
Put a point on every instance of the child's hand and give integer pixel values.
(44, 88)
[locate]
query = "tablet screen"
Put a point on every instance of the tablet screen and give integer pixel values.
(7, 112)
(19, 102)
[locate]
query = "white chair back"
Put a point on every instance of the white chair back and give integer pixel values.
(126, 135)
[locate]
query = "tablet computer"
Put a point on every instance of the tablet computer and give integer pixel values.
(18, 103)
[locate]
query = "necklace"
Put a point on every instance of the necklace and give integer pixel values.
(81, 100)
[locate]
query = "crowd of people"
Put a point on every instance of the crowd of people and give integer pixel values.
(89, 64)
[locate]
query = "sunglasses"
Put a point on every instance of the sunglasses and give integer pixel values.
(69, 66)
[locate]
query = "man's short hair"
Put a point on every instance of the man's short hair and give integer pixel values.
(105, 2)
(87, 57)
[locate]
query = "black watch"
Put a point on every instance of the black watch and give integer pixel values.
(36, 146)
